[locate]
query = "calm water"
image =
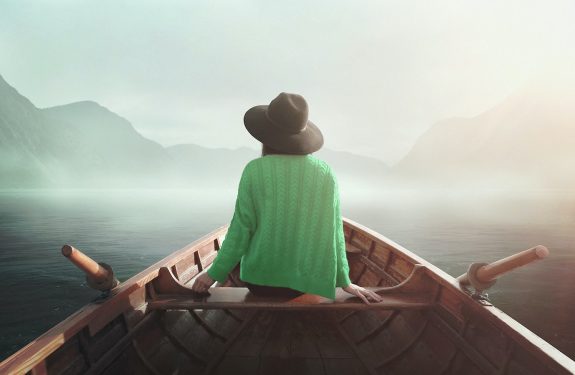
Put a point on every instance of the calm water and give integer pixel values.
(132, 229)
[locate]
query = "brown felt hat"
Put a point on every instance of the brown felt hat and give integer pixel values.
(283, 125)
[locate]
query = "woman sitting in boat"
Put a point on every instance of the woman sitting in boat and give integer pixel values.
(287, 230)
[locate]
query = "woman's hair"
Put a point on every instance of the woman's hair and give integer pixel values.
(267, 150)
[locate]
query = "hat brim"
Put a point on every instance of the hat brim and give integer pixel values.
(261, 128)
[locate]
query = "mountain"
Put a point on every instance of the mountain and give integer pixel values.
(103, 148)
(85, 145)
(353, 170)
(76, 145)
(212, 167)
(23, 131)
(524, 142)
(225, 165)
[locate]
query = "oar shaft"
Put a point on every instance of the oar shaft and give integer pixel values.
(90, 267)
(490, 272)
(502, 266)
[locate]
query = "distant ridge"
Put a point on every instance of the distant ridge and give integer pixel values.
(85, 145)
(527, 141)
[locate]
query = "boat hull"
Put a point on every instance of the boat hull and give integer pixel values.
(447, 332)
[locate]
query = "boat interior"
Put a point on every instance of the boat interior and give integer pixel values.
(426, 324)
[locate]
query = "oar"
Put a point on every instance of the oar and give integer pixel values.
(99, 276)
(482, 275)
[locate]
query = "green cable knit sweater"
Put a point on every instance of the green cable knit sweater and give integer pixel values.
(287, 228)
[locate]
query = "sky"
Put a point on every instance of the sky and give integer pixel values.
(376, 74)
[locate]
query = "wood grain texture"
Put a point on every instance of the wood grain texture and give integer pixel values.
(426, 325)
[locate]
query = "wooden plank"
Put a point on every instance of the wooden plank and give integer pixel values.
(240, 298)
(302, 337)
(382, 273)
(475, 357)
(455, 322)
(177, 343)
(376, 330)
(351, 248)
(255, 337)
(277, 340)
(207, 326)
(39, 369)
(119, 347)
(441, 347)
(221, 354)
(381, 255)
(330, 342)
(360, 354)
(361, 241)
(97, 317)
(123, 365)
(35, 352)
(523, 337)
(488, 341)
(452, 302)
(207, 249)
(220, 321)
(462, 365)
(523, 363)
(415, 337)
(345, 366)
(355, 267)
(68, 358)
(144, 359)
(369, 278)
(186, 268)
(95, 346)
(199, 341)
(347, 315)
(347, 232)
(237, 365)
(448, 363)
(399, 267)
(290, 366)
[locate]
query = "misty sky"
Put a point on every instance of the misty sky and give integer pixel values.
(376, 74)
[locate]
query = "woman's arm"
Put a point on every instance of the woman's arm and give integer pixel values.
(241, 229)
(342, 276)
(237, 239)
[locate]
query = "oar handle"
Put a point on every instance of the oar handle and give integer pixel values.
(98, 275)
(488, 273)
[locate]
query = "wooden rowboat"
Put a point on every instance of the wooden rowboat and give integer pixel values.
(427, 324)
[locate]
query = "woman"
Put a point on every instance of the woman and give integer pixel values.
(287, 228)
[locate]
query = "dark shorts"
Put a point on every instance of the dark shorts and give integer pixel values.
(270, 291)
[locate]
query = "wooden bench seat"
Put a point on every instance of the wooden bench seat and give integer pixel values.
(242, 298)
(170, 294)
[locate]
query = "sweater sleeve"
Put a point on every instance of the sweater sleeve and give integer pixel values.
(342, 274)
(240, 231)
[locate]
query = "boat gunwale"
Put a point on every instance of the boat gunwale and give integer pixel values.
(518, 332)
(37, 351)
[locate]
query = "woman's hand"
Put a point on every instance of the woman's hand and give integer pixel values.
(363, 293)
(203, 283)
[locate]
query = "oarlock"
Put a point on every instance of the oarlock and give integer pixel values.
(99, 276)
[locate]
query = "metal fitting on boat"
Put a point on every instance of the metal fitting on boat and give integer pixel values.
(473, 280)
(110, 282)
(99, 276)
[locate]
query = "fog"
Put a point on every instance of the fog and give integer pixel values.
(377, 74)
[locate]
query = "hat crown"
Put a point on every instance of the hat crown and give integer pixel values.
(289, 112)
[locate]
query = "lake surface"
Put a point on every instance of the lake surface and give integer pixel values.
(133, 229)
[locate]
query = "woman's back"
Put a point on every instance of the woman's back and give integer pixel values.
(287, 227)
(295, 199)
